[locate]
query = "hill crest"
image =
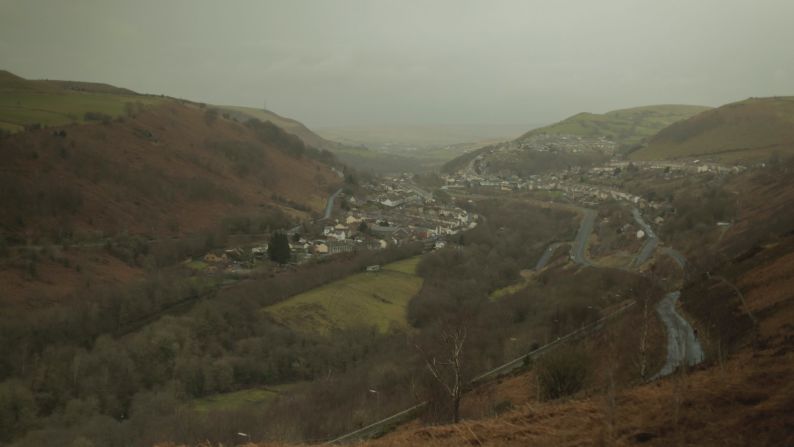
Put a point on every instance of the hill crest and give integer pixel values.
(749, 130)
(582, 138)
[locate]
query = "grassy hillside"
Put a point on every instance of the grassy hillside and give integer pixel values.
(56, 103)
(379, 150)
(748, 130)
(625, 126)
(356, 156)
(420, 137)
(288, 124)
(364, 299)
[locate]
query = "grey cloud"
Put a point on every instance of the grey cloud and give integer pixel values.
(361, 62)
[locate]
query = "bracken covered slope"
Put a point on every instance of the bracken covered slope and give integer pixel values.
(172, 168)
(746, 131)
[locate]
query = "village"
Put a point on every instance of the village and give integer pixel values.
(394, 210)
(389, 213)
(574, 144)
(589, 185)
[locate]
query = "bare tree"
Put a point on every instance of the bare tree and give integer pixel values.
(448, 372)
(644, 339)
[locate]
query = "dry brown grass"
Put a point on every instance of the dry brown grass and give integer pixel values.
(737, 405)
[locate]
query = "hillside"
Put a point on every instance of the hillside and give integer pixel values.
(746, 131)
(171, 169)
(581, 138)
(161, 183)
(288, 124)
(624, 126)
(33, 103)
(740, 395)
(357, 156)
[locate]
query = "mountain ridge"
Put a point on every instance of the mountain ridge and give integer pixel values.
(581, 138)
(749, 130)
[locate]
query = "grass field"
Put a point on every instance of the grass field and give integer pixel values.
(626, 126)
(255, 397)
(197, 265)
(20, 108)
(527, 277)
(365, 299)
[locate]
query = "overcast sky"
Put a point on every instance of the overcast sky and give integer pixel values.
(343, 63)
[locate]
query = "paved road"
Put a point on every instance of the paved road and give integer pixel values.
(676, 255)
(651, 240)
(682, 344)
(645, 252)
(638, 217)
(580, 243)
(547, 255)
(330, 205)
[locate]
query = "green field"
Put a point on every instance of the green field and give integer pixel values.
(255, 397)
(20, 108)
(407, 266)
(626, 126)
(196, 265)
(365, 299)
(56, 103)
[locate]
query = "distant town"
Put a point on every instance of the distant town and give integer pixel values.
(389, 213)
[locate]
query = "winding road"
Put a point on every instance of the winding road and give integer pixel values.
(580, 243)
(682, 344)
(547, 255)
(675, 255)
(330, 205)
(650, 243)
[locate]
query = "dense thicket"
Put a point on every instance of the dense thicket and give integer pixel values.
(82, 372)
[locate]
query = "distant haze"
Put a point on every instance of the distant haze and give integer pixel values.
(398, 63)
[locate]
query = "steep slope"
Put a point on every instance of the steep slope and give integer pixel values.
(624, 127)
(582, 138)
(749, 130)
(742, 395)
(288, 124)
(358, 157)
(171, 169)
(90, 206)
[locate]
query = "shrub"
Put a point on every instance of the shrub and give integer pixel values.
(562, 372)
